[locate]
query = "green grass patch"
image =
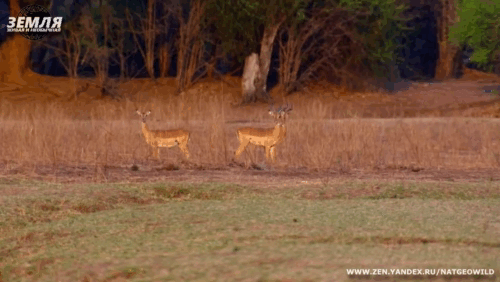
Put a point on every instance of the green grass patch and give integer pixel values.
(214, 232)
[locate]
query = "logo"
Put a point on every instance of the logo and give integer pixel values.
(34, 22)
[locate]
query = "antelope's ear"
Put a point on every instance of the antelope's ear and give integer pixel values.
(147, 114)
(271, 113)
(139, 113)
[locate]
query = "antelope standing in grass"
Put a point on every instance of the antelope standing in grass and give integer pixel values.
(164, 138)
(267, 138)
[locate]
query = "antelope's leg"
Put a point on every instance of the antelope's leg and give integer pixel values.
(273, 154)
(184, 149)
(153, 150)
(241, 148)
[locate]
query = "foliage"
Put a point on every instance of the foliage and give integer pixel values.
(479, 28)
(239, 24)
(380, 27)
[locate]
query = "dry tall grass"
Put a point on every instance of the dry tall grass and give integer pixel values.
(109, 133)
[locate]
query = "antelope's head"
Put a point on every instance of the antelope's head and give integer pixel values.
(280, 114)
(143, 115)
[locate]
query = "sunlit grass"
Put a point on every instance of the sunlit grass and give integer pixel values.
(109, 133)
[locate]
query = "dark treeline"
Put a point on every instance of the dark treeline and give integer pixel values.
(354, 43)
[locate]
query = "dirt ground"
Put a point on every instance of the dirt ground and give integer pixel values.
(475, 95)
(258, 175)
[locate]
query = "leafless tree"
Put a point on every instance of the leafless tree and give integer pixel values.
(148, 29)
(71, 51)
(98, 39)
(314, 46)
(122, 50)
(166, 46)
(190, 44)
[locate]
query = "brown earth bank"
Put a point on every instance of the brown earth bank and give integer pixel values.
(476, 94)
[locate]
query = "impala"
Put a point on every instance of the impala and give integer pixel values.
(267, 138)
(164, 138)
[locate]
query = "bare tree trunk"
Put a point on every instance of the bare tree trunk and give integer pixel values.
(164, 60)
(458, 64)
(148, 30)
(150, 39)
(447, 51)
(190, 45)
(14, 54)
(250, 73)
(165, 48)
(259, 77)
(101, 54)
(496, 68)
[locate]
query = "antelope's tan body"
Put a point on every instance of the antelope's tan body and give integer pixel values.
(267, 138)
(165, 138)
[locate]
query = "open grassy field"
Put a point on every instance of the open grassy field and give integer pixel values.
(227, 232)
(362, 180)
